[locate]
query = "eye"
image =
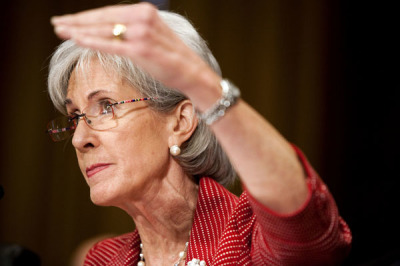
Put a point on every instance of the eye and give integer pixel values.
(105, 107)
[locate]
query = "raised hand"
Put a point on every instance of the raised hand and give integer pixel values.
(146, 40)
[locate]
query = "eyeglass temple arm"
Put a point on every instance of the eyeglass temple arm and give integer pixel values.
(133, 100)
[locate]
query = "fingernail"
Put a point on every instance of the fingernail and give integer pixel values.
(57, 19)
(54, 19)
(59, 29)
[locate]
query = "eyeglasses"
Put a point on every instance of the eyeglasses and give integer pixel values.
(98, 115)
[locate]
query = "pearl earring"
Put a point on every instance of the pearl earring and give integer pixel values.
(175, 150)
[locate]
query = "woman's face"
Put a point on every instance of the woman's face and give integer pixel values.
(123, 162)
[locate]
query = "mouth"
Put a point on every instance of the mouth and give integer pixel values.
(95, 168)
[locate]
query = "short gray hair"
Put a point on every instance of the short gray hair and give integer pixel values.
(201, 155)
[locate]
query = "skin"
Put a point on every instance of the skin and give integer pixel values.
(264, 160)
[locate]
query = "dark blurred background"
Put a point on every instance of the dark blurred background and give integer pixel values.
(320, 71)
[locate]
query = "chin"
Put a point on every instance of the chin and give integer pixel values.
(101, 198)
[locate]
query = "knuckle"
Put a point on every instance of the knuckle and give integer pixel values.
(143, 33)
(148, 14)
(143, 51)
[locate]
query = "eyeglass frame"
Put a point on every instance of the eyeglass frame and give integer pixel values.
(78, 117)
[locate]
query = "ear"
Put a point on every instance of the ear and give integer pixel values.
(183, 122)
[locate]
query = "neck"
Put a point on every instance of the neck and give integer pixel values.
(164, 217)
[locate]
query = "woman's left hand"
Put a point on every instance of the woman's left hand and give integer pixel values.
(147, 41)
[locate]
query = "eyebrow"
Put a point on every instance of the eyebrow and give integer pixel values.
(68, 101)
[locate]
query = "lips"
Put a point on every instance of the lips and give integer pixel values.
(95, 168)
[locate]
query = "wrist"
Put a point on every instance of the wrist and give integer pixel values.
(229, 97)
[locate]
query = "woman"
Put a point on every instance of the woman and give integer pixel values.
(156, 153)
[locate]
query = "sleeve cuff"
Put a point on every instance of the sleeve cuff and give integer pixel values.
(316, 214)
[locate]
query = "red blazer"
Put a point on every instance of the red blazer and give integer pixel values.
(228, 230)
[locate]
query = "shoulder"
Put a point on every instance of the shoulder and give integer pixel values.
(214, 198)
(211, 190)
(116, 249)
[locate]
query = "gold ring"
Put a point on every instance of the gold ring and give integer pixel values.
(119, 31)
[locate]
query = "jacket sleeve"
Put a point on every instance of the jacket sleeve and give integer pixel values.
(315, 234)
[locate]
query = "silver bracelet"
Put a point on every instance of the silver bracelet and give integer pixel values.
(230, 95)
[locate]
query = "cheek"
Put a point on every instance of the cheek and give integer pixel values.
(142, 146)
(146, 135)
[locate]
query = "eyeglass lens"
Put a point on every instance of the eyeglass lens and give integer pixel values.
(99, 116)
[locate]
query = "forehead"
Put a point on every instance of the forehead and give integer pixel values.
(85, 81)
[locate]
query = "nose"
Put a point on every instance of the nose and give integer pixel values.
(84, 137)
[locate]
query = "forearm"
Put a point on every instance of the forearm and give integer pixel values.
(264, 160)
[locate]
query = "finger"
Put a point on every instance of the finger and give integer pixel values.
(63, 32)
(101, 31)
(108, 14)
(107, 45)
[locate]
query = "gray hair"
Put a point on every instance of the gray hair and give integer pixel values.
(201, 154)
